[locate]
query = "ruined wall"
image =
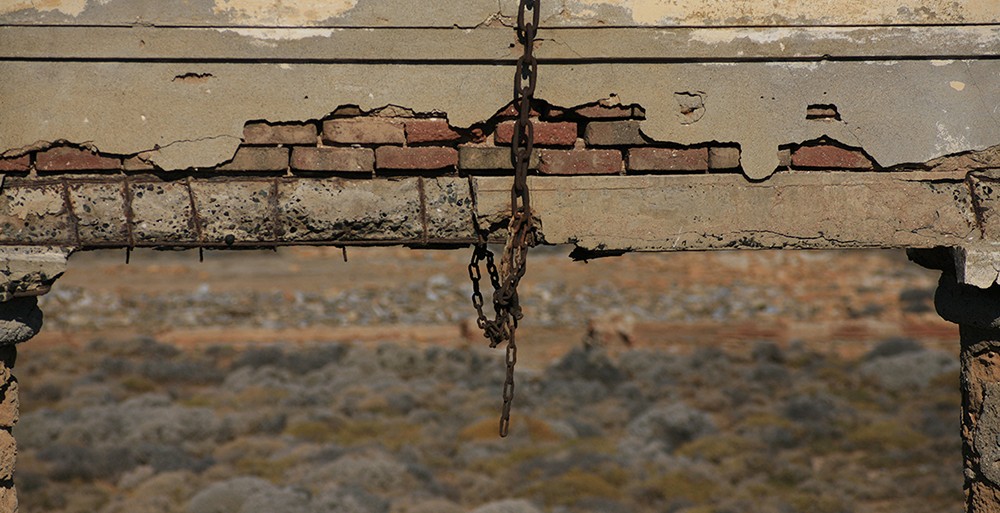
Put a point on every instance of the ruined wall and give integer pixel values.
(912, 79)
(393, 176)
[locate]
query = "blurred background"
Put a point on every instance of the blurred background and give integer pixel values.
(295, 382)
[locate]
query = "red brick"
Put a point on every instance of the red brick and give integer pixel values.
(355, 160)
(723, 157)
(478, 158)
(16, 164)
(263, 133)
(614, 133)
(249, 158)
(581, 162)
(616, 112)
(546, 134)
(74, 159)
(668, 159)
(829, 157)
(426, 157)
(429, 130)
(364, 130)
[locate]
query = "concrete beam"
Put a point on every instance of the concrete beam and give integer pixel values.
(820, 210)
(492, 44)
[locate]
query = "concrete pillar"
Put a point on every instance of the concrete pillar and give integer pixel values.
(25, 273)
(968, 294)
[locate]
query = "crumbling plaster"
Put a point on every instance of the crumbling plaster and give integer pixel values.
(899, 112)
(940, 99)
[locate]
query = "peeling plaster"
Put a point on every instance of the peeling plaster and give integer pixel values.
(281, 34)
(900, 112)
(251, 13)
(471, 13)
(68, 7)
(778, 12)
(278, 12)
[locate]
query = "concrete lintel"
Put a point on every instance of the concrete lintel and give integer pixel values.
(822, 210)
(492, 44)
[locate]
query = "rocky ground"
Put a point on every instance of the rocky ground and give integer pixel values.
(295, 382)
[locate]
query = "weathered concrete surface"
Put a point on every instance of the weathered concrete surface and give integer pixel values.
(184, 124)
(790, 210)
(473, 12)
(493, 43)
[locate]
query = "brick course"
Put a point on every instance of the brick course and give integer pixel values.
(723, 158)
(426, 157)
(16, 164)
(668, 159)
(364, 130)
(476, 158)
(581, 162)
(429, 131)
(829, 157)
(614, 133)
(263, 133)
(355, 160)
(546, 133)
(74, 159)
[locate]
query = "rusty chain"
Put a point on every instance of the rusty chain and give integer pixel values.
(520, 230)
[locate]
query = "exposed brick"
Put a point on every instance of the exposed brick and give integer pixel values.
(364, 130)
(16, 164)
(723, 158)
(546, 133)
(257, 159)
(668, 159)
(74, 159)
(353, 160)
(427, 157)
(475, 158)
(829, 157)
(615, 112)
(613, 133)
(581, 162)
(429, 130)
(263, 133)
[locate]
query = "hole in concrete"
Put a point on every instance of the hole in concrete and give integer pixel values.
(692, 106)
(823, 111)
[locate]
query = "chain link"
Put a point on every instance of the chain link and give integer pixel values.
(521, 229)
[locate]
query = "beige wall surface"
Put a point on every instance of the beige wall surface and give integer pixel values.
(470, 13)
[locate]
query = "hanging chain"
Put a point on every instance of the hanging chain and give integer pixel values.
(520, 231)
